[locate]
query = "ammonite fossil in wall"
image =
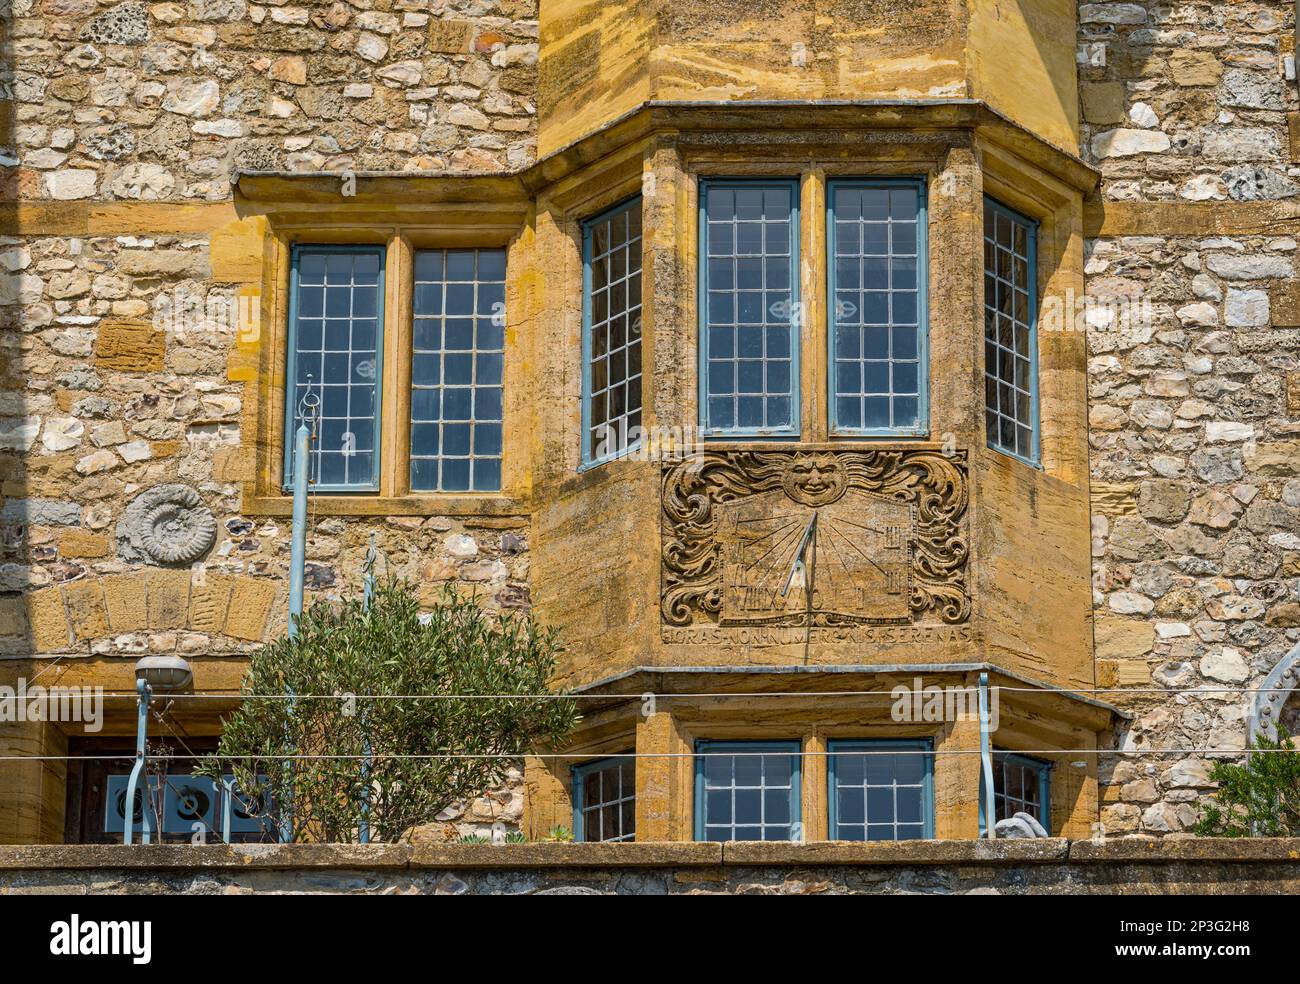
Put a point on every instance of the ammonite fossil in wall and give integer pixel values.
(167, 524)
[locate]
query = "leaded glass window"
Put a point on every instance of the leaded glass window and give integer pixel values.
(604, 800)
(877, 238)
(1021, 785)
(749, 307)
(335, 353)
(1010, 336)
(611, 332)
(881, 790)
(457, 365)
(747, 790)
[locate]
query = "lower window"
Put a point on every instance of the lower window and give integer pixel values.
(747, 790)
(604, 800)
(181, 807)
(881, 790)
(1022, 785)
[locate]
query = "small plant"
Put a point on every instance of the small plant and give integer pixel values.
(514, 837)
(445, 701)
(557, 834)
(1258, 799)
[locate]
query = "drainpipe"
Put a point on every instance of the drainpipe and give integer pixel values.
(986, 759)
(227, 794)
(162, 673)
(143, 694)
(298, 543)
(297, 564)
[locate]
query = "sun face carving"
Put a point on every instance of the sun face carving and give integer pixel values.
(814, 479)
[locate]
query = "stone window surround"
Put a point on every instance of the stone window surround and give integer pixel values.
(1029, 182)
(993, 171)
(394, 494)
(665, 738)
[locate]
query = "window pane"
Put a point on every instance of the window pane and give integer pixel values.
(750, 790)
(605, 800)
(612, 315)
(750, 311)
(1009, 326)
(880, 789)
(876, 338)
(335, 345)
(1018, 787)
(457, 369)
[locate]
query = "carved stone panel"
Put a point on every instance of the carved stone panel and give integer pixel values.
(166, 524)
(875, 537)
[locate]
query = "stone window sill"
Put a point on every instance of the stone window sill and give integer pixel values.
(332, 504)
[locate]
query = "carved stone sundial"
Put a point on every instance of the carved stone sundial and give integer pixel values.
(862, 545)
(889, 538)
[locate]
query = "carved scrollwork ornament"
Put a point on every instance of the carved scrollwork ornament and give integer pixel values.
(891, 528)
(168, 525)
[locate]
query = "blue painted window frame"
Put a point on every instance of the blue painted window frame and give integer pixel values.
(579, 773)
(291, 361)
(1044, 770)
(477, 426)
(702, 304)
(586, 459)
(838, 746)
(922, 308)
(1035, 458)
(705, 747)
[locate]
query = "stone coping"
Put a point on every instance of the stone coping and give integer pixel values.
(270, 857)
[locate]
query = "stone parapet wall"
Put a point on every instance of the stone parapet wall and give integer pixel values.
(1130, 867)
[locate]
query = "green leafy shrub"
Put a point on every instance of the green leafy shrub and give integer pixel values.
(448, 656)
(1260, 798)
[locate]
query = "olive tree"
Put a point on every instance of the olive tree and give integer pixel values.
(387, 715)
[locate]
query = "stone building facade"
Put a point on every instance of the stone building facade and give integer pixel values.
(1126, 579)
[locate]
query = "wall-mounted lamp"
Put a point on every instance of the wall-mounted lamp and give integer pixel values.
(166, 674)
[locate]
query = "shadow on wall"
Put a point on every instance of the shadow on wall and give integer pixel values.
(19, 422)
(22, 785)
